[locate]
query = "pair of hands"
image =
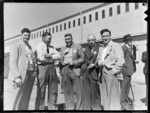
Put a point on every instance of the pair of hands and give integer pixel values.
(46, 55)
(69, 62)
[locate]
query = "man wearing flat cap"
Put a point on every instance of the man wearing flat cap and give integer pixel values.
(127, 71)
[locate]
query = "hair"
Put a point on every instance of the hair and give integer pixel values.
(25, 30)
(45, 34)
(92, 36)
(105, 30)
(68, 34)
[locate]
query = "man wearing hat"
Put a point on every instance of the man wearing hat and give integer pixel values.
(127, 70)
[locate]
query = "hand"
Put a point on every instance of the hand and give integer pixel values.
(91, 65)
(71, 63)
(46, 55)
(18, 82)
(100, 64)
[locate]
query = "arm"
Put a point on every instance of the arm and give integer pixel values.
(144, 57)
(55, 55)
(81, 56)
(40, 55)
(119, 59)
(13, 63)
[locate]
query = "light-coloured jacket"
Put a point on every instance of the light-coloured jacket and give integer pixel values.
(18, 61)
(114, 58)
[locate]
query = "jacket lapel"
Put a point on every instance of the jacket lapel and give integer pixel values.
(129, 52)
(108, 49)
(23, 48)
(74, 51)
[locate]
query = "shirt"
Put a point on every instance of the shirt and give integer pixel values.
(68, 55)
(104, 54)
(41, 50)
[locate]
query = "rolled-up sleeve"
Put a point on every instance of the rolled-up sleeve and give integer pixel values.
(55, 54)
(40, 54)
(13, 63)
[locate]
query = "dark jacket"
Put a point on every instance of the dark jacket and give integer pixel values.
(90, 58)
(129, 66)
(145, 60)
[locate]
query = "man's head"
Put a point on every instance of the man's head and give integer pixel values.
(68, 39)
(46, 37)
(25, 34)
(91, 40)
(128, 39)
(106, 36)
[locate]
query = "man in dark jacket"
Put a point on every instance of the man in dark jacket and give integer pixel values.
(127, 71)
(71, 59)
(145, 60)
(89, 73)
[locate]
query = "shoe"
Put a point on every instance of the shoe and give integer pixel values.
(143, 100)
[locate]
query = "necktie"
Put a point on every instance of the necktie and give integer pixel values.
(47, 49)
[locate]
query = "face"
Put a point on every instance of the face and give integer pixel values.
(26, 37)
(68, 40)
(129, 43)
(91, 40)
(106, 37)
(47, 39)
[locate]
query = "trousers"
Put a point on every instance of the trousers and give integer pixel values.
(46, 75)
(24, 93)
(90, 92)
(110, 91)
(72, 88)
(125, 87)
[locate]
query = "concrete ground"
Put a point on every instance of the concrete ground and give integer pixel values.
(139, 90)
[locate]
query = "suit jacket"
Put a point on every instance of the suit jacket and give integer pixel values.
(18, 61)
(129, 65)
(113, 59)
(90, 58)
(145, 60)
(78, 57)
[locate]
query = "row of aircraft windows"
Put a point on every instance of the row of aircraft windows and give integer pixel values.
(64, 26)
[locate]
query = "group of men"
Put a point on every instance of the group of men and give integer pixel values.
(91, 77)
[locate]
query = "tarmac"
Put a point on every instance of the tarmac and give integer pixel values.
(139, 90)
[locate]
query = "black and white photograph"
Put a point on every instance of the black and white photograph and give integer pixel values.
(75, 56)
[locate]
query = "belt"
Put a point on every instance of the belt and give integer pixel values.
(46, 64)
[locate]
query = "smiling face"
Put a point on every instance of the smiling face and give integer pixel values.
(26, 37)
(106, 37)
(68, 40)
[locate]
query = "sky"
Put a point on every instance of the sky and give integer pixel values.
(32, 15)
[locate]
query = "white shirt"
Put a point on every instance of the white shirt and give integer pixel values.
(41, 49)
(104, 54)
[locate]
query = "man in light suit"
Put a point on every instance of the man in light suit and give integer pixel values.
(89, 72)
(23, 70)
(128, 69)
(71, 59)
(110, 60)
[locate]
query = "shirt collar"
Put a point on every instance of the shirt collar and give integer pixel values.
(127, 45)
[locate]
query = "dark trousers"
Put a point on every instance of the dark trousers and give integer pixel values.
(110, 91)
(46, 75)
(90, 92)
(125, 87)
(23, 96)
(72, 88)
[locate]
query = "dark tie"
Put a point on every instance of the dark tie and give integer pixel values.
(47, 49)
